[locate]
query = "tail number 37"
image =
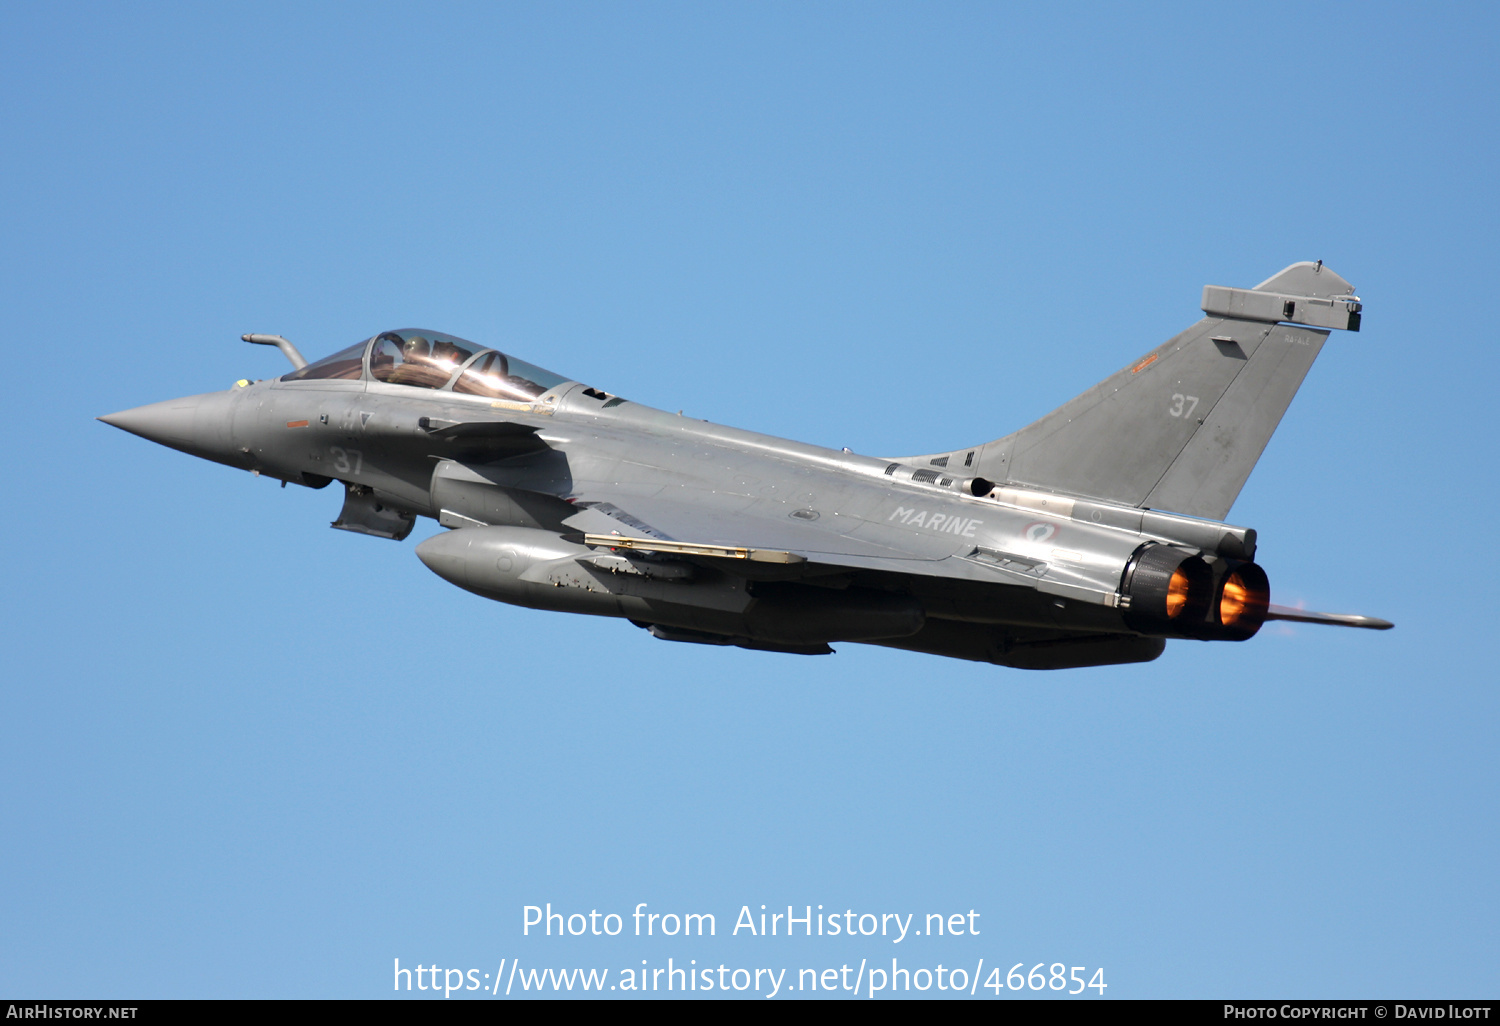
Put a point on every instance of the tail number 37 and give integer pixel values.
(1182, 405)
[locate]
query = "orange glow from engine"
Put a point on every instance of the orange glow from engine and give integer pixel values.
(1177, 593)
(1235, 600)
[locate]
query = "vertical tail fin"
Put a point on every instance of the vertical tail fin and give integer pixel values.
(1181, 428)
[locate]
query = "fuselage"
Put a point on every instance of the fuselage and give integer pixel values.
(561, 496)
(1008, 556)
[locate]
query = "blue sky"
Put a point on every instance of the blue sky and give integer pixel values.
(248, 756)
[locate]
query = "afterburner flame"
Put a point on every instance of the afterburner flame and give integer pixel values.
(1177, 593)
(1236, 600)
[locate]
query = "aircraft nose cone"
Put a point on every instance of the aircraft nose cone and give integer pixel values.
(195, 424)
(168, 423)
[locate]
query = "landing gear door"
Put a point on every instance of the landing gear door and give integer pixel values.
(365, 513)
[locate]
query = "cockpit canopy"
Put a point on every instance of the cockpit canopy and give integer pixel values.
(430, 359)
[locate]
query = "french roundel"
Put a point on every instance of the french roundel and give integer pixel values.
(1039, 532)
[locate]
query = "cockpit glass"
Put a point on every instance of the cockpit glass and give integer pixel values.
(425, 359)
(430, 359)
(497, 376)
(345, 365)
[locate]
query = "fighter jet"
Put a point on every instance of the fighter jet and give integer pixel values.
(1088, 538)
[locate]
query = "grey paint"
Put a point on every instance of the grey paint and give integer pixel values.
(1208, 473)
(1018, 552)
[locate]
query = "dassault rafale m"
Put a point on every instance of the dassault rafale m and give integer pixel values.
(1087, 538)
